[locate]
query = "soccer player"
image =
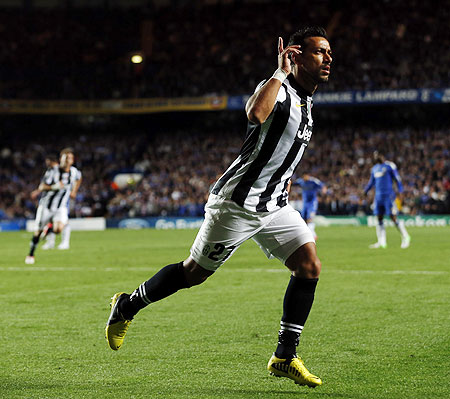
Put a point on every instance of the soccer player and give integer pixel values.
(59, 184)
(250, 201)
(382, 177)
(311, 186)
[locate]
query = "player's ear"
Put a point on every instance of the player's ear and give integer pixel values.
(296, 58)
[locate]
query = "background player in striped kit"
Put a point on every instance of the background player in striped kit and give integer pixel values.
(250, 201)
(311, 186)
(59, 184)
(382, 177)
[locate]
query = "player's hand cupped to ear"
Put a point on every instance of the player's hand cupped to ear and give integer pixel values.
(284, 59)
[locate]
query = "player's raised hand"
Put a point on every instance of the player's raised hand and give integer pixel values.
(284, 61)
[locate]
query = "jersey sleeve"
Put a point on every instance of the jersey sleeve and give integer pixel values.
(281, 96)
(298, 182)
(48, 177)
(317, 183)
(371, 182)
(261, 84)
(396, 176)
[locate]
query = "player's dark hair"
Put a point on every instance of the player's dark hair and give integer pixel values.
(378, 156)
(308, 31)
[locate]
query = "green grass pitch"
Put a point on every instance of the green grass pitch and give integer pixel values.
(379, 327)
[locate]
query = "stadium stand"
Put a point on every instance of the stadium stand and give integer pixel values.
(190, 51)
(83, 53)
(178, 167)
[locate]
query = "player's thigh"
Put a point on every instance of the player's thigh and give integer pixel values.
(61, 216)
(225, 228)
(391, 208)
(285, 233)
(310, 210)
(305, 212)
(43, 216)
(379, 207)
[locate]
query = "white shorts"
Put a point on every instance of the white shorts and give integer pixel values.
(45, 215)
(227, 226)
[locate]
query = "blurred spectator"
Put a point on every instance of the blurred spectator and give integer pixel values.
(178, 168)
(197, 50)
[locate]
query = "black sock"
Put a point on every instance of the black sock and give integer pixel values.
(33, 245)
(166, 282)
(297, 303)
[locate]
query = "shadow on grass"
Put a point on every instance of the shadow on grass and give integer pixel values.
(267, 394)
(21, 388)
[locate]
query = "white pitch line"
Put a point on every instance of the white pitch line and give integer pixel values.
(281, 270)
(223, 269)
(432, 272)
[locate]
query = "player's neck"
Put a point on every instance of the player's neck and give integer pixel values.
(305, 81)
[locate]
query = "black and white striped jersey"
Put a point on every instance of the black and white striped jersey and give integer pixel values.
(257, 180)
(56, 199)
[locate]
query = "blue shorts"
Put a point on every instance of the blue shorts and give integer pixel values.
(384, 206)
(309, 210)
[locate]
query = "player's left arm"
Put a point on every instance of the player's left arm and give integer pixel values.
(320, 186)
(396, 177)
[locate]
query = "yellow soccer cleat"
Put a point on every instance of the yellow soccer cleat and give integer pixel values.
(293, 369)
(117, 325)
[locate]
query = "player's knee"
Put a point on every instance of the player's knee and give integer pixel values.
(58, 227)
(194, 273)
(308, 268)
(304, 262)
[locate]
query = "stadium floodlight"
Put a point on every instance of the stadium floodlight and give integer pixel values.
(136, 59)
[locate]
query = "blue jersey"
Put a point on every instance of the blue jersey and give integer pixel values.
(310, 188)
(382, 177)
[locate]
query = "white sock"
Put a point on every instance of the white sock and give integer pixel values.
(401, 227)
(65, 235)
(312, 227)
(381, 234)
(50, 238)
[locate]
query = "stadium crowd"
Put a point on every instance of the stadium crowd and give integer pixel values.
(84, 53)
(176, 170)
(221, 48)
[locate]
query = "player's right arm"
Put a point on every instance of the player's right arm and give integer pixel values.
(370, 184)
(260, 105)
(48, 182)
(35, 193)
(51, 187)
(298, 182)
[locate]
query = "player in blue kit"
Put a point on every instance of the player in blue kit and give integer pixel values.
(311, 187)
(382, 177)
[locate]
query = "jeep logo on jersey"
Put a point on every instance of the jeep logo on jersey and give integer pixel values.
(304, 133)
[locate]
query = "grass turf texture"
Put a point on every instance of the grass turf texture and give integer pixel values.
(379, 327)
